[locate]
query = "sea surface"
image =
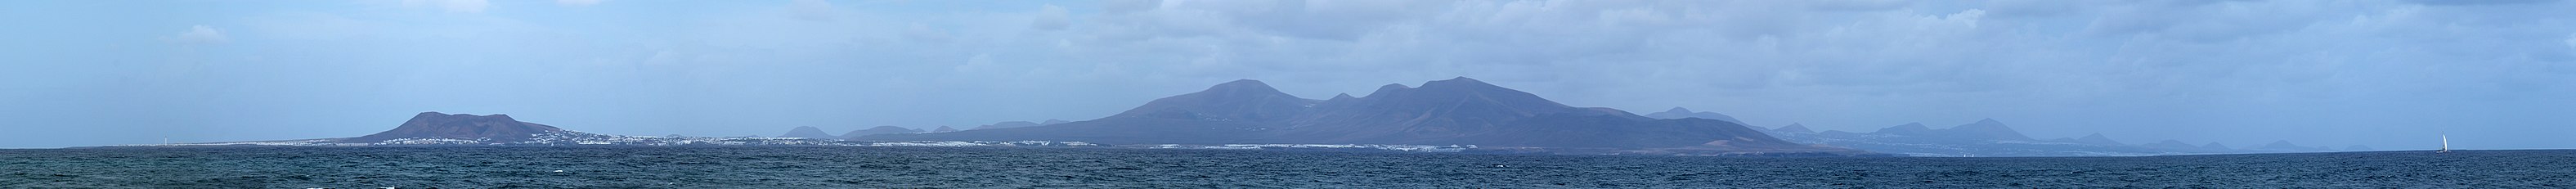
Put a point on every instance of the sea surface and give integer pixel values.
(983, 167)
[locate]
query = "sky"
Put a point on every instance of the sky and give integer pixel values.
(2497, 74)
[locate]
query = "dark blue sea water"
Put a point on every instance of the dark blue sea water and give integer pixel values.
(896, 167)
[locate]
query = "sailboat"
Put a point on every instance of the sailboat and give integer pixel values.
(2446, 144)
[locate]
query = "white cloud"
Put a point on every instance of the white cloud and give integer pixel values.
(201, 34)
(1124, 6)
(981, 62)
(469, 6)
(925, 34)
(1051, 17)
(2571, 41)
(814, 10)
(578, 3)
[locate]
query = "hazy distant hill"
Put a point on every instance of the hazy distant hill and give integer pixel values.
(807, 132)
(889, 129)
(495, 128)
(2170, 144)
(1984, 129)
(1793, 127)
(2286, 146)
(1454, 111)
(1985, 137)
(1988, 137)
(1679, 112)
(1006, 124)
(2094, 139)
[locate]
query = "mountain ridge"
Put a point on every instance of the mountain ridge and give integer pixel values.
(1454, 111)
(1679, 112)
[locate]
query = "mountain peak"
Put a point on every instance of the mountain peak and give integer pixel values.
(1243, 85)
(1388, 89)
(1794, 127)
(1459, 82)
(1990, 129)
(1906, 129)
(1237, 100)
(1341, 97)
(1679, 112)
(806, 132)
(436, 114)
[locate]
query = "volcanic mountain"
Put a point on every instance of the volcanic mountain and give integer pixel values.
(807, 132)
(1679, 112)
(1794, 127)
(495, 128)
(1453, 111)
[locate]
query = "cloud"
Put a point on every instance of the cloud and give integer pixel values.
(469, 6)
(578, 3)
(814, 10)
(201, 35)
(981, 62)
(1050, 17)
(1126, 6)
(925, 34)
(2477, 2)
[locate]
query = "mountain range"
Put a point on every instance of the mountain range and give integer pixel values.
(1457, 111)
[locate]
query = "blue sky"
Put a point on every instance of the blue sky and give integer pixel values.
(2388, 74)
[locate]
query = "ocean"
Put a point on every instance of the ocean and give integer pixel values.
(999, 167)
